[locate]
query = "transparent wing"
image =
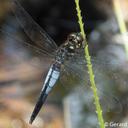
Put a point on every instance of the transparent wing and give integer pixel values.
(15, 46)
(108, 79)
(80, 59)
(32, 29)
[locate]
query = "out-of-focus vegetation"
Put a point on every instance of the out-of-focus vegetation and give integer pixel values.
(22, 71)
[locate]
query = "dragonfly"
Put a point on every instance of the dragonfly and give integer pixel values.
(67, 50)
(65, 56)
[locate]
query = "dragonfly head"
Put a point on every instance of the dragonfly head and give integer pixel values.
(75, 41)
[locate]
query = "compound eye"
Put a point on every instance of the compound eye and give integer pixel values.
(71, 37)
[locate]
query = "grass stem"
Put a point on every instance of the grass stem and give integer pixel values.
(90, 69)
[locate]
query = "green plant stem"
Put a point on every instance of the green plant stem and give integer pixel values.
(90, 69)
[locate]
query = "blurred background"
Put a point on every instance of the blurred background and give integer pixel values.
(70, 104)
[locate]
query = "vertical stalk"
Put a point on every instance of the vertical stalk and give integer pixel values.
(90, 69)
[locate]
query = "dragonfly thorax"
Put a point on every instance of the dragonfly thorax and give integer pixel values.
(68, 49)
(61, 55)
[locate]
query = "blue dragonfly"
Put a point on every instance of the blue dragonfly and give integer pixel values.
(66, 51)
(69, 57)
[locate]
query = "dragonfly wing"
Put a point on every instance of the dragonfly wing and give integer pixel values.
(107, 79)
(33, 30)
(71, 76)
(22, 49)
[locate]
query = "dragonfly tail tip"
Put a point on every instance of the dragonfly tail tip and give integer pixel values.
(31, 121)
